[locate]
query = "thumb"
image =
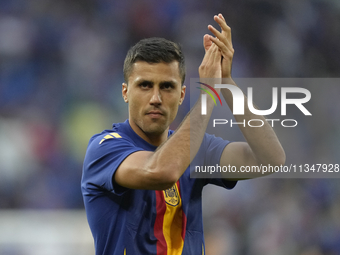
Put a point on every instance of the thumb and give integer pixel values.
(207, 42)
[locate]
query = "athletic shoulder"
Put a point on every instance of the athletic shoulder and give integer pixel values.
(118, 131)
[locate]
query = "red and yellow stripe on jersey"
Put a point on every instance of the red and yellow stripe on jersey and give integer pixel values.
(130, 221)
(170, 221)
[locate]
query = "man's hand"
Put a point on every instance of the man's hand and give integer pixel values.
(262, 146)
(224, 43)
(211, 63)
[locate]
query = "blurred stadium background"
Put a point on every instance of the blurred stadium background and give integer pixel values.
(60, 82)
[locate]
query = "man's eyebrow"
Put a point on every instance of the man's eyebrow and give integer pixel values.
(143, 81)
(162, 83)
(173, 83)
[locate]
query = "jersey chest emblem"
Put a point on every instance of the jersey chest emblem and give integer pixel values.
(171, 196)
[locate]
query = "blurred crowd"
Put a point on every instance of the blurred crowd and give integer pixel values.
(60, 83)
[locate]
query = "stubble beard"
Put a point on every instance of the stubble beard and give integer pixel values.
(153, 128)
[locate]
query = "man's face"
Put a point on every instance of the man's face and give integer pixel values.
(154, 92)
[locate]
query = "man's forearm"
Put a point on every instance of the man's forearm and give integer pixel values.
(179, 150)
(262, 140)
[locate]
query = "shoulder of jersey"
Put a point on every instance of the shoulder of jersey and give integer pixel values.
(108, 136)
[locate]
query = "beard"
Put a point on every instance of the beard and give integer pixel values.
(153, 127)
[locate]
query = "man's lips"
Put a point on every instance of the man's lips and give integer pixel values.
(155, 114)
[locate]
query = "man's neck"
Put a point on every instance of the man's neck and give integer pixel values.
(154, 139)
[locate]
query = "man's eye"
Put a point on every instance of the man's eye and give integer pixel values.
(168, 86)
(145, 85)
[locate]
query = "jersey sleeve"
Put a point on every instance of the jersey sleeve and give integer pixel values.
(214, 147)
(104, 155)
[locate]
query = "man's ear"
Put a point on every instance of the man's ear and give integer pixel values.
(124, 92)
(182, 94)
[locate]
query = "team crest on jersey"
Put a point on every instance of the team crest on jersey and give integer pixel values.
(171, 196)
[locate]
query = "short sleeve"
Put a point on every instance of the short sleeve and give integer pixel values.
(102, 159)
(213, 147)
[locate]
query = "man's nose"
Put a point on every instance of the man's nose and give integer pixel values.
(156, 98)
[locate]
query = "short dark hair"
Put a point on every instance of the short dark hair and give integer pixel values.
(154, 50)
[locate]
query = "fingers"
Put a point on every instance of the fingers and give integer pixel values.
(207, 42)
(220, 36)
(218, 51)
(225, 29)
(223, 24)
(211, 63)
(226, 51)
(216, 54)
(211, 54)
(223, 39)
(221, 16)
(224, 36)
(207, 56)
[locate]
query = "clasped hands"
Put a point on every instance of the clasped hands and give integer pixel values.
(219, 51)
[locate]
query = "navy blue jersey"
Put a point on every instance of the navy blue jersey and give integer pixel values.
(130, 221)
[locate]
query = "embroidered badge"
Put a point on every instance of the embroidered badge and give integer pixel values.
(171, 196)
